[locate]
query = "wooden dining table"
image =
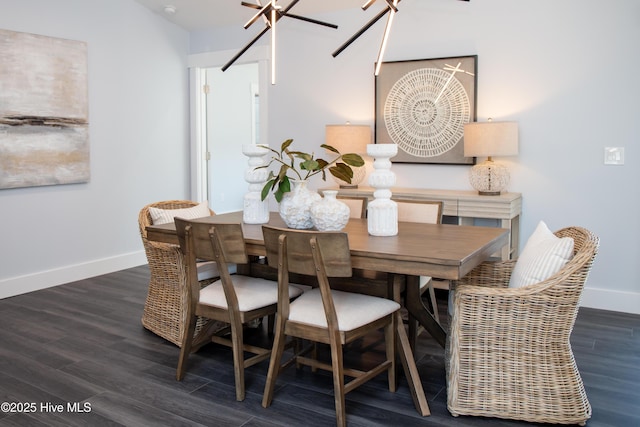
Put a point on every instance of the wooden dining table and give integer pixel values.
(444, 251)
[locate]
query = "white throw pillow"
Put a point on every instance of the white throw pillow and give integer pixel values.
(543, 256)
(163, 216)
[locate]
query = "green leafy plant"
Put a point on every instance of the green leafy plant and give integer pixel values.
(304, 166)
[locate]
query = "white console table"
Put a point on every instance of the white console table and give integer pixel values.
(466, 207)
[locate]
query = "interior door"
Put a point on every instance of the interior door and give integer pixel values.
(232, 104)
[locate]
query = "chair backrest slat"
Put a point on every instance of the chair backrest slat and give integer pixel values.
(233, 247)
(334, 247)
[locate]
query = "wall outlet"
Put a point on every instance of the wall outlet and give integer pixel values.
(614, 155)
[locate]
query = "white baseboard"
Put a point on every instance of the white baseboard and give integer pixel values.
(46, 279)
(607, 299)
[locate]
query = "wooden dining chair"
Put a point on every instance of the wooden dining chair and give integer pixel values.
(424, 211)
(234, 299)
(428, 212)
(357, 205)
(323, 315)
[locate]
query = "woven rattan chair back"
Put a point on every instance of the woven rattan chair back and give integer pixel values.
(165, 304)
(508, 350)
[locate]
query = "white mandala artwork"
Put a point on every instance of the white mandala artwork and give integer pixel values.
(426, 110)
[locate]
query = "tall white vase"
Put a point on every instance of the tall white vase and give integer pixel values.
(295, 207)
(255, 211)
(382, 212)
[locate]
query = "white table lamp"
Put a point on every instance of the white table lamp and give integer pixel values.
(488, 139)
(349, 138)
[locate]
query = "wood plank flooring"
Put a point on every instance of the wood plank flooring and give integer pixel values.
(82, 346)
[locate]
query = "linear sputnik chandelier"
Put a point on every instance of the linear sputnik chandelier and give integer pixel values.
(270, 13)
(391, 9)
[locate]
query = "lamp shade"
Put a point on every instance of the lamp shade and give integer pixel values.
(486, 139)
(348, 138)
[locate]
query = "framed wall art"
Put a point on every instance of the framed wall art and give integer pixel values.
(423, 105)
(44, 128)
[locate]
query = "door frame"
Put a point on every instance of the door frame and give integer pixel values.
(198, 63)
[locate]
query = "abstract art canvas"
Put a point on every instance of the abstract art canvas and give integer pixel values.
(44, 128)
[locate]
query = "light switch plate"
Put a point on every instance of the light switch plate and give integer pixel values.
(614, 155)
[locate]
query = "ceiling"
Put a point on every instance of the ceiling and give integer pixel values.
(196, 15)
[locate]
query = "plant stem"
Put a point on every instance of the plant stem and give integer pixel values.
(288, 167)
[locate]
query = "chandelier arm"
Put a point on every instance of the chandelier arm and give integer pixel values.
(385, 38)
(244, 49)
(360, 32)
(392, 6)
(367, 4)
(289, 6)
(269, 7)
(263, 10)
(251, 5)
(313, 21)
(389, 4)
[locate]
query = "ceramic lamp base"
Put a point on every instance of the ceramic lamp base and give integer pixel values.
(489, 178)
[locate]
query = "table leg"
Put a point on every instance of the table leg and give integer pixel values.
(410, 368)
(417, 309)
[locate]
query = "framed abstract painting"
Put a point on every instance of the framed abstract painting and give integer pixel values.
(423, 105)
(44, 128)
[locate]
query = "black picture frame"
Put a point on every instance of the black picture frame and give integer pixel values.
(422, 106)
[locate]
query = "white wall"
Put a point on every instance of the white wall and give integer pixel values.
(563, 70)
(139, 136)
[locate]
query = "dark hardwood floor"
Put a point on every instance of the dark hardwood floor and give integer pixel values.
(82, 346)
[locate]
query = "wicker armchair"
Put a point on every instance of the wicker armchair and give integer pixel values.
(165, 307)
(508, 350)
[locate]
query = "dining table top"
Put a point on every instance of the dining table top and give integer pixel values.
(445, 251)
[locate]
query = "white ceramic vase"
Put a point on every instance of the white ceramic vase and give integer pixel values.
(295, 207)
(329, 213)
